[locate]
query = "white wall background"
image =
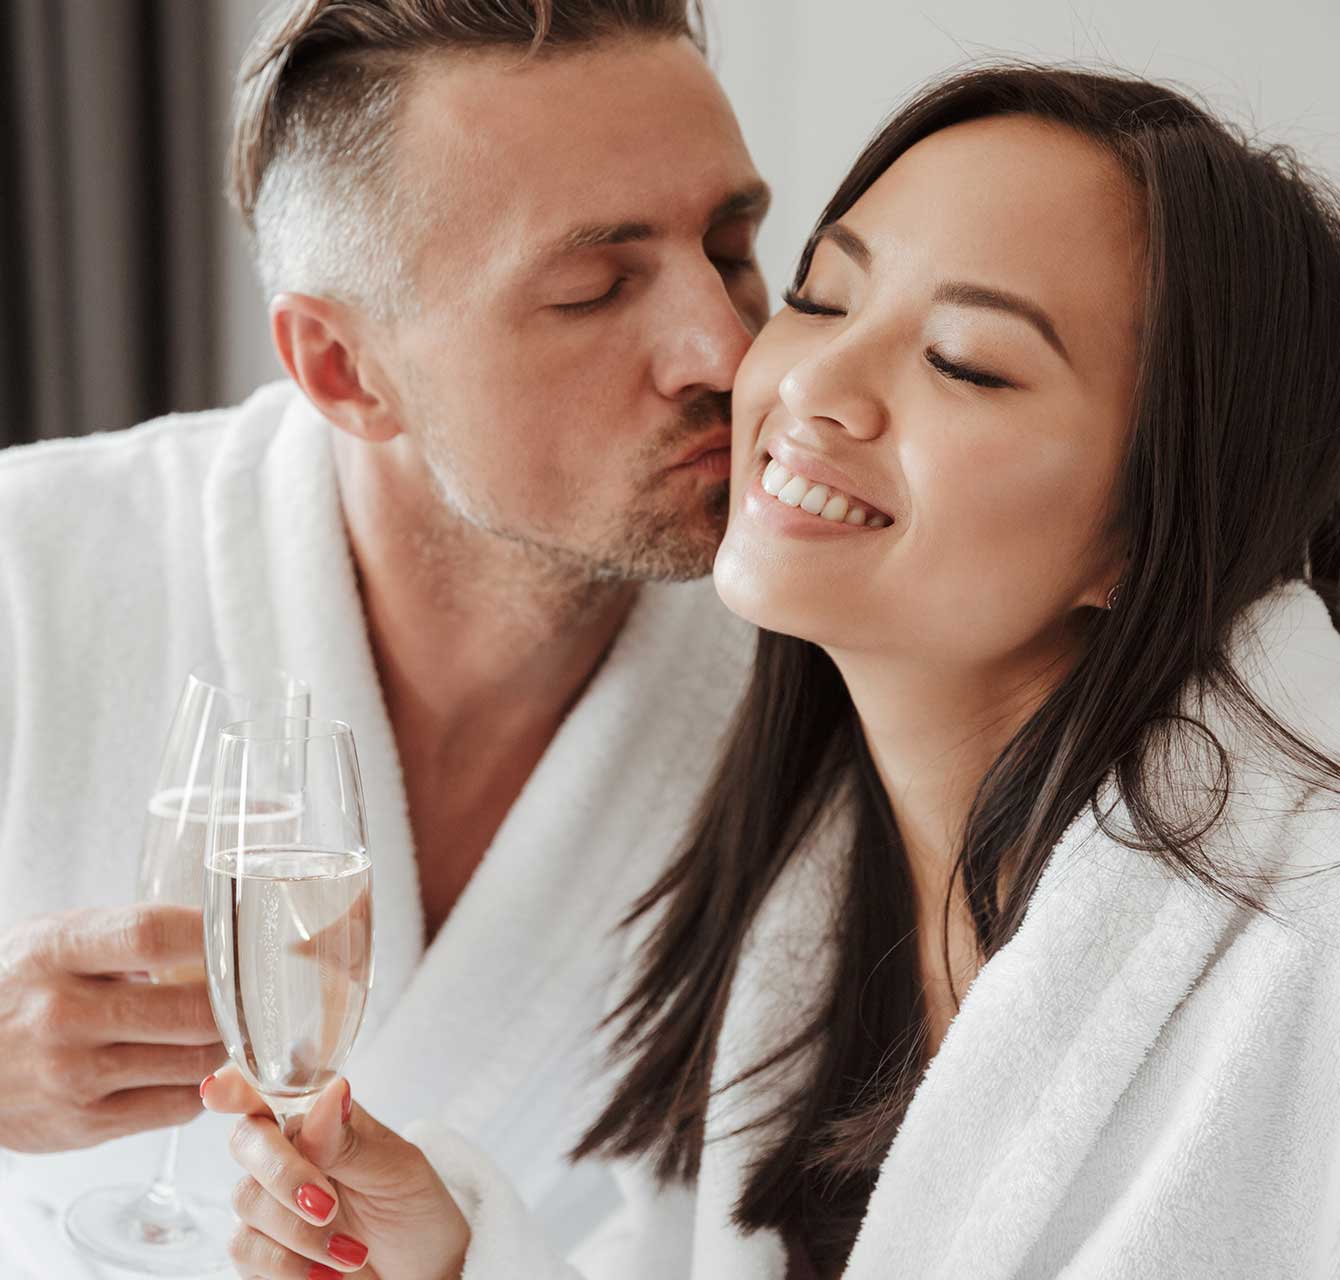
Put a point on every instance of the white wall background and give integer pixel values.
(811, 80)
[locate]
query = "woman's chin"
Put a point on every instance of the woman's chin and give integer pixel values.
(763, 590)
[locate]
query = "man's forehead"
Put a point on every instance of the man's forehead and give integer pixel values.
(644, 118)
(749, 200)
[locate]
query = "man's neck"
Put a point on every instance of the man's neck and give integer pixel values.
(481, 646)
(469, 629)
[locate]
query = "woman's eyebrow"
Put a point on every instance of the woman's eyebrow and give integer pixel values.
(957, 293)
(847, 240)
(962, 293)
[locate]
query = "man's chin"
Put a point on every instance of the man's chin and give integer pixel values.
(674, 546)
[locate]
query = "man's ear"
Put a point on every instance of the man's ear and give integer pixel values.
(320, 344)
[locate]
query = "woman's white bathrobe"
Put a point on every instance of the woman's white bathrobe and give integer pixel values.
(128, 558)
(1143, 1084)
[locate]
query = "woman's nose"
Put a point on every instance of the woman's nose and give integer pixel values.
(826, 391)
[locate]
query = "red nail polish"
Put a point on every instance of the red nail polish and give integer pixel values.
(347, 1106)
(346, 1249)
(318, 1272)
(204, 1084)
(314, 1202)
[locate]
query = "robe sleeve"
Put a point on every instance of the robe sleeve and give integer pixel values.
(649, 1235)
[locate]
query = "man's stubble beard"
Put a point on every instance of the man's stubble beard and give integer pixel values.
(641, 544)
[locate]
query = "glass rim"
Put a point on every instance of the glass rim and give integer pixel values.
(209, 675)
(314, 729)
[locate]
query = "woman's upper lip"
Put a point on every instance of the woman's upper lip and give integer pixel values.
(708, 444)
(800, 461)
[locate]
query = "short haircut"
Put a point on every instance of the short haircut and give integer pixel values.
(313, 151)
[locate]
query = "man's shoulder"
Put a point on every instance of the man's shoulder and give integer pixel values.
(68, 482)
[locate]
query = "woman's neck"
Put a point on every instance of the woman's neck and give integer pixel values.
(933, 731)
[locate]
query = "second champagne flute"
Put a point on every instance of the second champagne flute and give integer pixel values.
(288, 923)
(153, 1229)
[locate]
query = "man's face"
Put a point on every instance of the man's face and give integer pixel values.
(587, 288)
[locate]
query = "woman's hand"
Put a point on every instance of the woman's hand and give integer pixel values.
(346, 1197)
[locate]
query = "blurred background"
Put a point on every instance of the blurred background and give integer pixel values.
(126, 288)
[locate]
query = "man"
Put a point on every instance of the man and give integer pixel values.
(509, 256)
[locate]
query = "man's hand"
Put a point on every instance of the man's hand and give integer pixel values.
(88, 1050)
(346, 1195)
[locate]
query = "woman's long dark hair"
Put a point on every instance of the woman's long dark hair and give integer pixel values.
(1230, 485)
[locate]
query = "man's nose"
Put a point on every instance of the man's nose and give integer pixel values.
(702, 352)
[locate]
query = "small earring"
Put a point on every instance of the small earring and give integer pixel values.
(1113, 596)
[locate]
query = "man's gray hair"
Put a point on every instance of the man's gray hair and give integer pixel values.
(313, 158)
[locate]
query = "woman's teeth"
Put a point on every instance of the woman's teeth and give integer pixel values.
(818, 499)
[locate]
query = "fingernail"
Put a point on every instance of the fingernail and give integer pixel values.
(314, 1202)
(317, 1272)
(346, 1249)
(347, 1106)
(204, 1084)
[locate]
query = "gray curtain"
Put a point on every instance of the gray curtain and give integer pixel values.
(109, 187)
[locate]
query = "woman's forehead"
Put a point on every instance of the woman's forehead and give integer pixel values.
(1020, 204)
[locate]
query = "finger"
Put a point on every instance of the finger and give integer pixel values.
(134, 1110)
(229, 1093)
(99, 940)
(255, 1255)
(297, 1184)
(116, 1067)
(139, 1013)
(258, 1209)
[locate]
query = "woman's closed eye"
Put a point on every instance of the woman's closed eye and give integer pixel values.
(955, 371)
(958, 372)
(807, 307)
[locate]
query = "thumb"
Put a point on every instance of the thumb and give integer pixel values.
(322, 1133)
(346, 1143)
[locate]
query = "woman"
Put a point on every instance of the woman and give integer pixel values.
(1033, 479)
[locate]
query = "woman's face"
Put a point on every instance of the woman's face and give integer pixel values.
(960, 365)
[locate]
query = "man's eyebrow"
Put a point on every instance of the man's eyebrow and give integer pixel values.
(958, 293)
(593, 234)
(961, 293)
(750, 201)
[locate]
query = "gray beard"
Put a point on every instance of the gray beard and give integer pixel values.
(645, 547)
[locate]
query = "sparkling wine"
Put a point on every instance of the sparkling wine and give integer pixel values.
(172, 866)
(289, 961)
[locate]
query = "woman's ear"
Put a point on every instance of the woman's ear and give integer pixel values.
(1106, 587)
(320, 344)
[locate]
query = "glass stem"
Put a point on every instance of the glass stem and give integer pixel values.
(289, 1122)
(164, 1186)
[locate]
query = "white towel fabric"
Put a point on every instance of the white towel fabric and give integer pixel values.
(127, 559)
(1143, 1083)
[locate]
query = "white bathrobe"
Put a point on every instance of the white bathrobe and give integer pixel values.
(129, 558)
(1143, 1084)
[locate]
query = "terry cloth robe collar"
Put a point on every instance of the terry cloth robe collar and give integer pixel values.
(1052, 1030)
(526, 957)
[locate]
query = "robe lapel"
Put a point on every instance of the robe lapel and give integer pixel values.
(1046, 1040)
(519, 976)
(284, 594)
(1056, 1025)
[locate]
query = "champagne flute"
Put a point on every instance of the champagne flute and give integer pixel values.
(153, 1230)
(288, 921)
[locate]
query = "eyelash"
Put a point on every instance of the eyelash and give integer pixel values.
(727, 266)
(733, 266)
(593, 304)
(947, 368)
